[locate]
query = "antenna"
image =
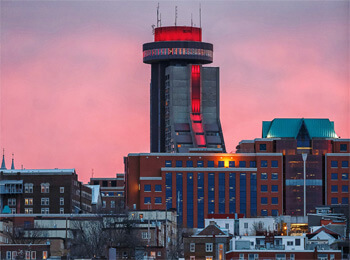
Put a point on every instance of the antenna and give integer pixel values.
(175, 14)
(191, 20)
(158, 20)
(92, 173)
(200, 15)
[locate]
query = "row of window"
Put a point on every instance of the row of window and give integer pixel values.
(28, 255)
(111, 194)
(344, 164)
(344, 176)
(157, 200)
(43, 211)
(177, 51)
(148, 188)
(344, 200)
(274, 200)
(344, 188)
(221, 164)
(104, 204)
(29, 201)
(44, 187)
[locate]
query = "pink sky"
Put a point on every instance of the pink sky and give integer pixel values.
(75, 93)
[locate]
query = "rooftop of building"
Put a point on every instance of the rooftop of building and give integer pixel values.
(40, 171)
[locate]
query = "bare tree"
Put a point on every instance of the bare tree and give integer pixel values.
(258, 228)
(20, 234)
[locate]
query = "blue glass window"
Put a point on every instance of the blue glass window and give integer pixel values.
(345, 188)
(263, 200)
(344, 200)
(168, 164)
(232, 193)
(262, 147)
(274, 188)
(210, 163)
(334, 164)
(190, 200)
(274, 163)
(147, 187)
(264, 212)
(179, 200)
(334, 200)
(211, 193)
(263, 188)
(243, 193)
(221, 193)
(200, 199)
(263, 164)
(158, 187)
(168, 190)
(189, 163)
(252, 164)
(178, 163)
(147, 200)
(274, 212)
(263, 176)
(274, 200)
(345, 176)
(345, 164)
(274, 176)
(253, 195)
(221, 164)
(231, 164)
(343, 147)
(158, 200)
(242, 164)
(334, 188)
(334, 176)
(200, 164)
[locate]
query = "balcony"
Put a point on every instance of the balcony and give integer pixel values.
(11, 187)
(269, 247)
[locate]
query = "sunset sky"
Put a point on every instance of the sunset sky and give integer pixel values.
(75, 93)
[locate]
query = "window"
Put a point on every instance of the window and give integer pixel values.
(44, 210)
(241, 256)
(334, 188)
(210, 163)
(200, 164)
(61, 189)
(33, 253)
(45, 188)
(263, 188)
(146, 235)
(113, 183)
(292, 257)
(252, 164)
(104, 183)
(245, 225)
(242, 164)
(345, 200)
(263, 200)
(178, 163)
(274, 200)
(189, 163)
(334, 164)
(28, 188)
(8, 255)
(61, 201)
(147, 187)
(297, 242)
(192, 247)
(27, 255)
(168, 164)
(264, 212)
(345, 164)
(334, 176)
(208, 247)
(274, 212)
(147, 200)
(274, 163)
(344, 188)
(45, 201)
(192, 257)
(274, 176)
(263, 176)
(28, 211)
(28, 201)
(44, 254)
(280, 256)
(112, 204)
(263, 163)
(158, 200)
(274, 188)
(159, 253)
(331, 257)
(104, 204)
(61, 210)
(334, 200)
(11, 202)
(343, 147)
(262, 147)
(231, 164)
(227, 225)
(14, 254)
(158, 188)
(345, 176)
(221, 164)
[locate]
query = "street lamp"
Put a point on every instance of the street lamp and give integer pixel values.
(304, 159)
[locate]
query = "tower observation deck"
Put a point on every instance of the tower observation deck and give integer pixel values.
(184, 94)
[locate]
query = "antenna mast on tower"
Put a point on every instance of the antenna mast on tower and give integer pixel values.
(200, 16)
(175, 15)
(158, 19)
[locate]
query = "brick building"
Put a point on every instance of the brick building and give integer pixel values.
(53, 191)
(201, 183)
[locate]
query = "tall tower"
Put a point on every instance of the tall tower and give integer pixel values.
(185, 107)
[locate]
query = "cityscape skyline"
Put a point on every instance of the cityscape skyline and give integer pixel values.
(71, 101)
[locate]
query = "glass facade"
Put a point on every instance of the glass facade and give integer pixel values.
(211, 193)
(200, 199)
(221, 193)
(190, 200)
(232, 193)
(243, 193)
(179, 197)
(168, 190)
(253, 195)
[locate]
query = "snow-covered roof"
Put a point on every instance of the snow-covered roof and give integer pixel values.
(95, 193)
